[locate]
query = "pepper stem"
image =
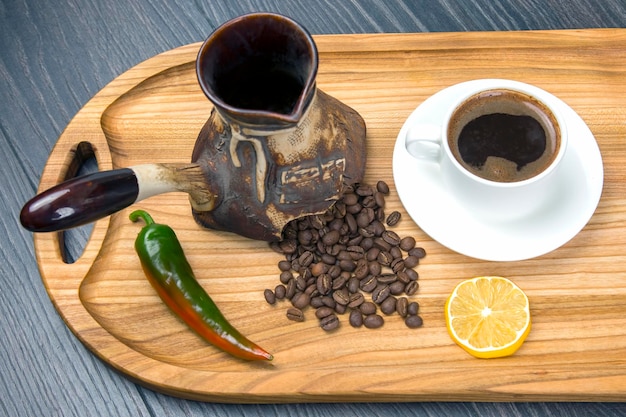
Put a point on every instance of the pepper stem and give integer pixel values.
(135, 215)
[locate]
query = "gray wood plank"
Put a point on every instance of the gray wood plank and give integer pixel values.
(56, 55)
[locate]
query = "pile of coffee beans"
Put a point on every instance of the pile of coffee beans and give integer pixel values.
(333, 260)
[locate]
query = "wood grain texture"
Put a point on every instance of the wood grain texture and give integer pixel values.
(57, 55)
(152, 113)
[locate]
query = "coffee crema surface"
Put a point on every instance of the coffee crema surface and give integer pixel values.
(503, 136)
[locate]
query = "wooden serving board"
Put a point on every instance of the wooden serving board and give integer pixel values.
(153, 113)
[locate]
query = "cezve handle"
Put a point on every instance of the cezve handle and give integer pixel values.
(91, 197)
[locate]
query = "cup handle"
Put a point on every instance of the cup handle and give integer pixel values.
(423, 142)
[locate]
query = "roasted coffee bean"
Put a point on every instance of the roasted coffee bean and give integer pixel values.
(356, 318)
(295, 263)
(355, 240)
(318, 269)
(303, 223)
(324, 284)
(377, 227)
(331, 237)
(284, 265)
(288, 246)
(329, 323)
(362, 269)
(353, 227)
(347, 265)
(350, 199)
(354, 209)
(365, 217)
(344, 255)
(402, 305)
(375, 268)
(368, 308)
(380, 293)
(372, 254)
(311, 289)
(388, 306)
(306, 258)
(307, 275)
(373, 321)
(280, 291)
(328, 259)
(329, 301)
(270, 297)
(365, 232)
(324, 311)
(382, 187)
(356, 300)
(336, 224)
(319, 247)
(364, 190)
(393, 218)
(334, 250)
(379, 198)
(403, 277)
(397, 265)
(391, 237)
(305, 237)
(380, 214)
(291, 289)
(356, 252)
(411, 261)
(396, 252)
(369, 283)
(411, 288)
(340, 308)
(344, 234)
(300, 283)
(340, 209)
(317, 302)
(275, 246)
(341, 296)
(353, 285)
(407, 243)
(328, 216)
(417, 252)
(316, 222)
(411, 273)
(295, 314)
(334, 271)
(339, 282)
(413, 322)
(381, 244)
(301, 300)
(396, 288)
(384, 258)
(286, 276)
(413, 308)
(369, 202)
(386, 279)
(366, 243)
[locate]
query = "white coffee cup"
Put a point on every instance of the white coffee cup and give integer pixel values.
(496, 190)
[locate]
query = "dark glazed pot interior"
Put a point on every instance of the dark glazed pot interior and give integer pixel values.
(259, 69)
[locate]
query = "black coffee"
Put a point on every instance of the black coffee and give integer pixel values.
(503, 136)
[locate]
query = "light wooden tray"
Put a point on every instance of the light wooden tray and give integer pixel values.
(153, 113)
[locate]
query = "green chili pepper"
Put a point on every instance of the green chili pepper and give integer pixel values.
(169, 272)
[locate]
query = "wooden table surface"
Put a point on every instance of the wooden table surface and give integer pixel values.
(57, 55)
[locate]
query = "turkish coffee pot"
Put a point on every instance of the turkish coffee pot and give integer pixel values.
(275, 148)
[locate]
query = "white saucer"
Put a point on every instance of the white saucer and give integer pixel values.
(438, 214)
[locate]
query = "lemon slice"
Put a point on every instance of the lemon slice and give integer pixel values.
(489, 317)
